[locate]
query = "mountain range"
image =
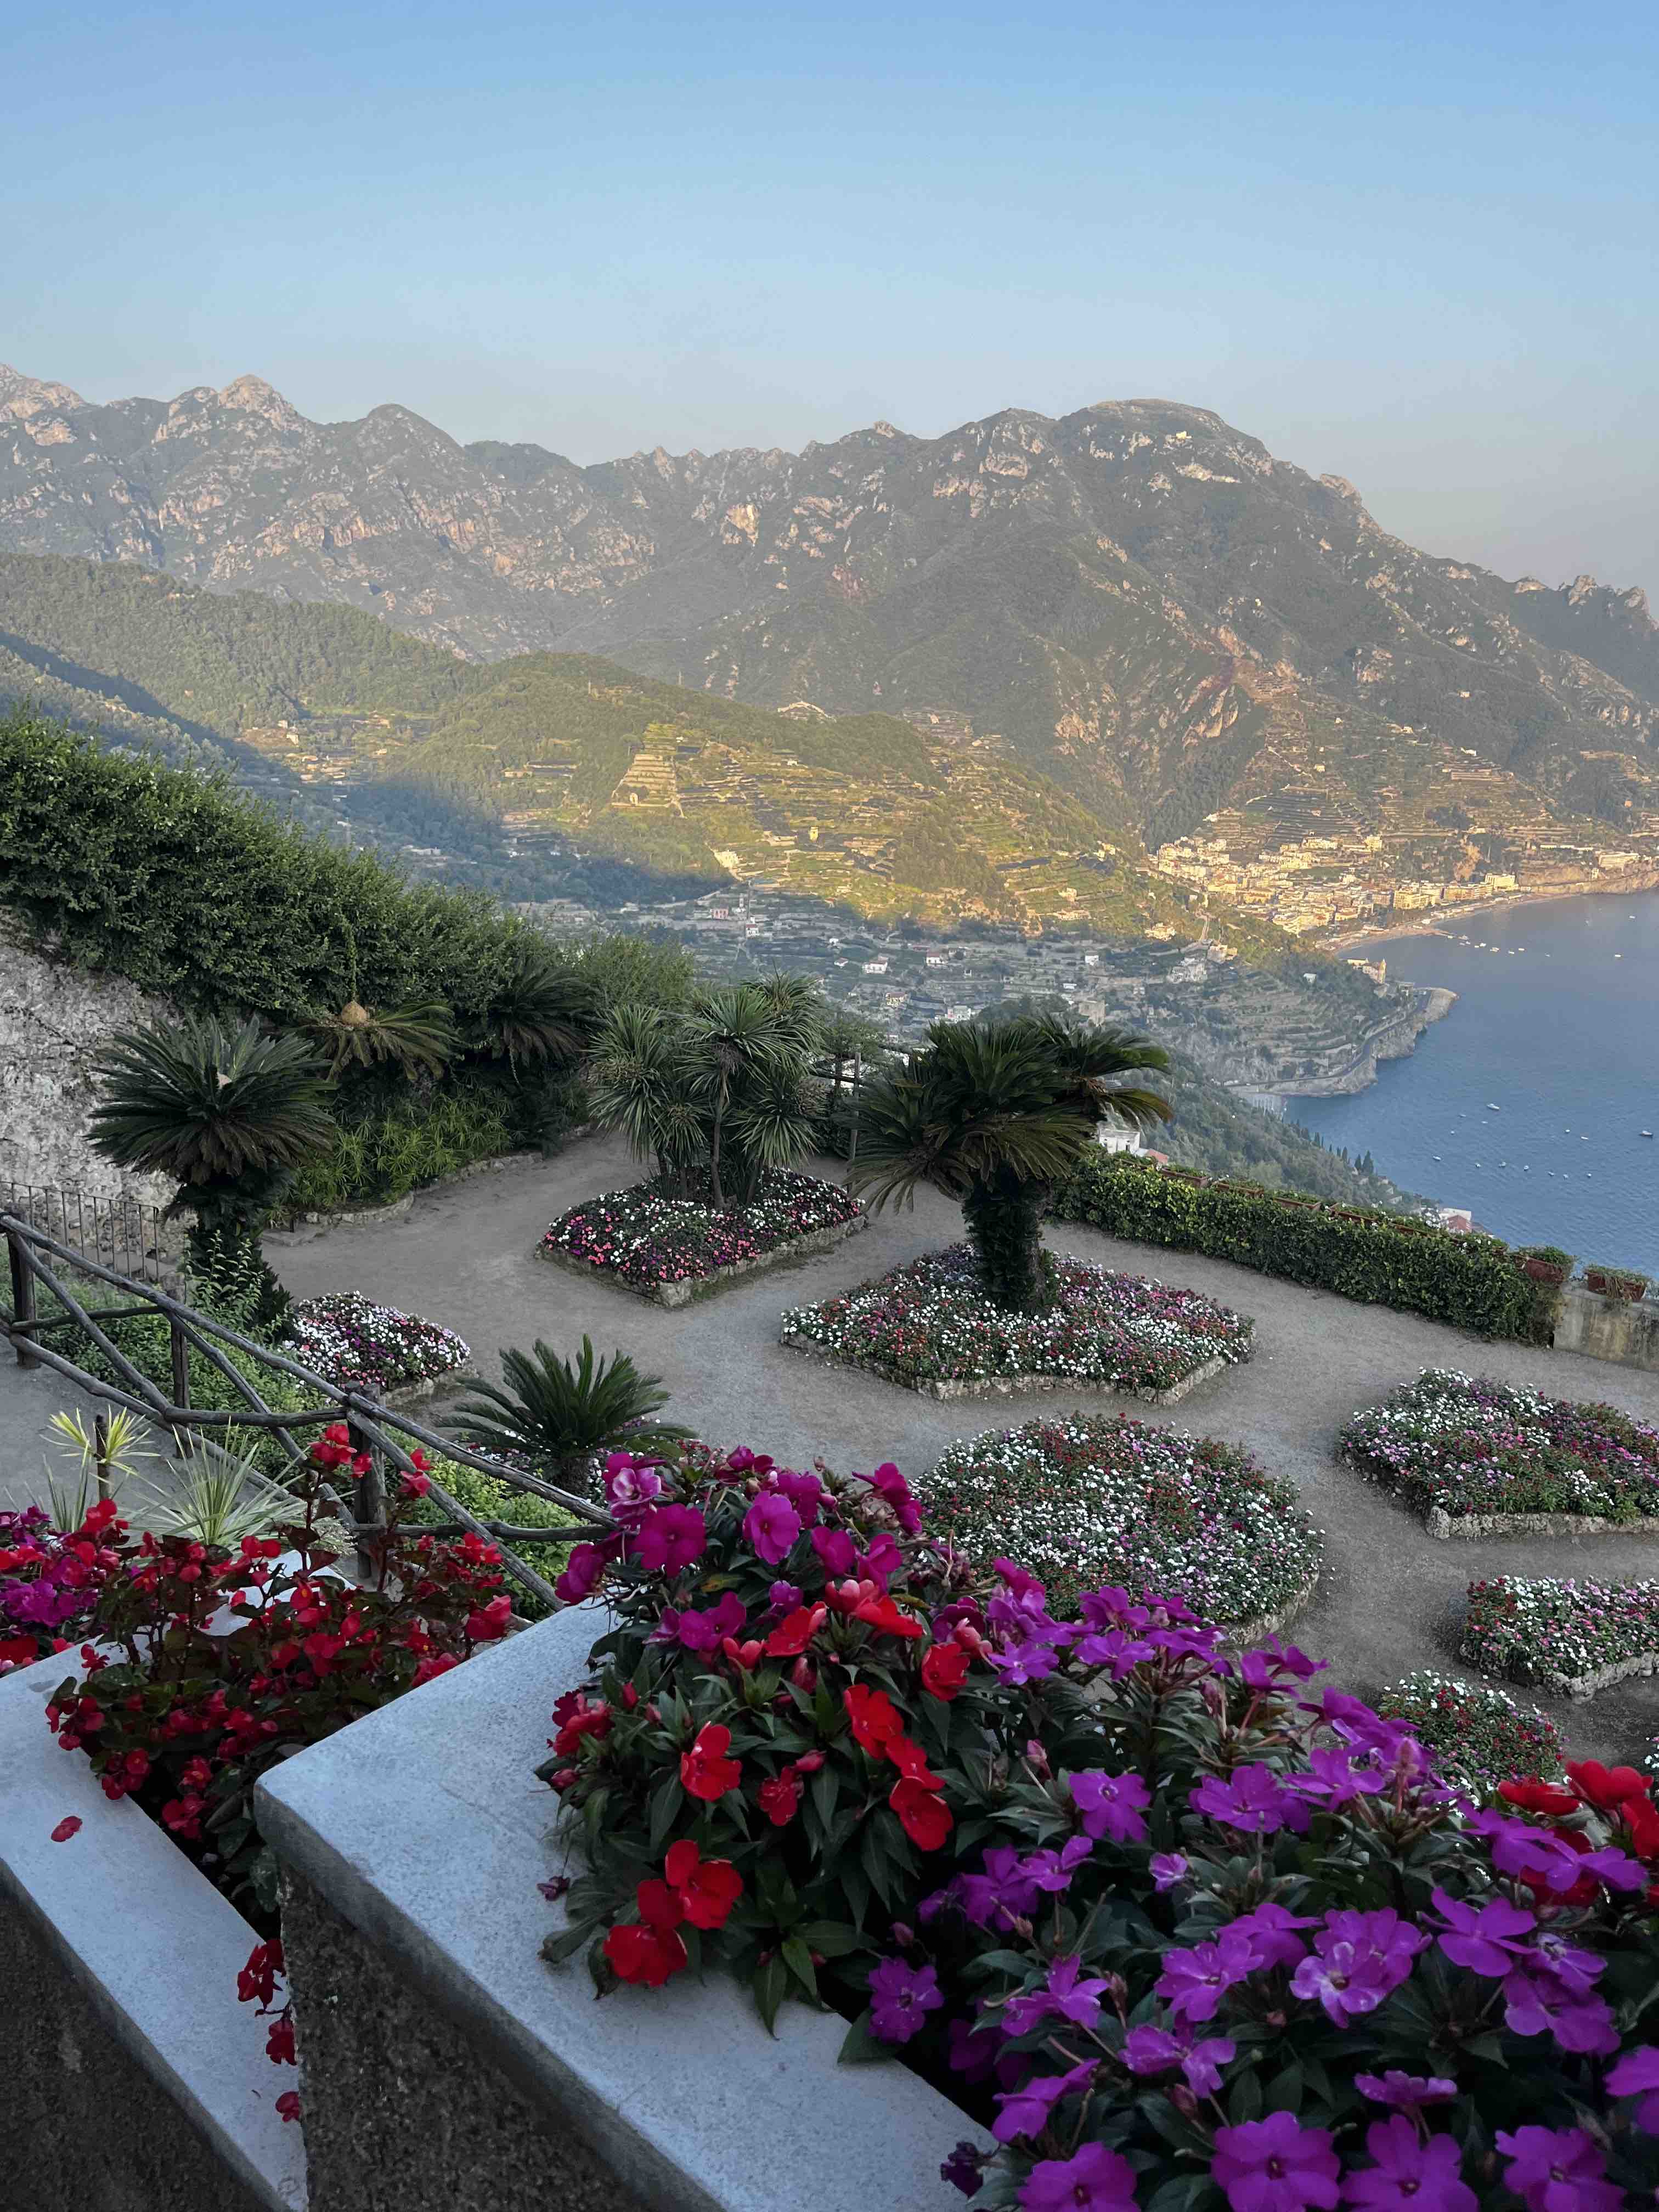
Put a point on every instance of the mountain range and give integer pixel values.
(1137, 605)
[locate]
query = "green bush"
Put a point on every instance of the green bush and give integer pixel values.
(1393, 1260)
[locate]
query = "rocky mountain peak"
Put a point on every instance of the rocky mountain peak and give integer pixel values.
(22, 395)
(252, 395)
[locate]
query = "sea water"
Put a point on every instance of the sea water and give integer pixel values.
(1527, 1102)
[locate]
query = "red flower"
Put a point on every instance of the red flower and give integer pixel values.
(1605, 1787)
(746, 1656)
(923, 1814)
(881, 1612)
(874, 1717)
(491, 1620)
(1539, 1797)
(945, 1670)
(793, 1634)
(641, 1953)
(279, 2042)
(258, 1978)
(289, 2103)
(706, 1888)
(780, 1798)
(911, 1761)
(66, 1829)
(705, 1771)
(417, 1485)
(17, 1652)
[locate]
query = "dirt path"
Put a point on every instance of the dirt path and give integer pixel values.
(1390, 1598)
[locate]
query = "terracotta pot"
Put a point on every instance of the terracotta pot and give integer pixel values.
(1544, 1271)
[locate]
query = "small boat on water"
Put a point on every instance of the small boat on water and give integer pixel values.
(1493, 1107)
(1647, 1132)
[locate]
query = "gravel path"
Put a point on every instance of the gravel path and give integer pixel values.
(1390, 1597)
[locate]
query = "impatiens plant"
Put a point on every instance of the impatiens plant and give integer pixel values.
(358, 1345)
(1181, 1929)
(50, 1579)
(657, 1233)
(1564, 1635)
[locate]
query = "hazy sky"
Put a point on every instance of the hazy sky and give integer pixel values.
(1412, 244)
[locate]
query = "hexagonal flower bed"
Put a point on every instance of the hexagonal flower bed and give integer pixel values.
(355, 1344)
(1477, 1458)
(1102, 1499)
(929, 1327)
(1569, 1636)
(1480, 1734)
(671, 1249)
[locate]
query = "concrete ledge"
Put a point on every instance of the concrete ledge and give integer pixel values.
(674, 1295)
(1007, 1386)
(1624, 1331)
(1444, 1525)
(422, 1829)
(118, 1963)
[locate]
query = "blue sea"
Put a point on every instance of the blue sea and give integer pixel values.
(1526, 1103)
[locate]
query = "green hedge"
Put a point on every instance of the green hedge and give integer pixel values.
(1470, 1282)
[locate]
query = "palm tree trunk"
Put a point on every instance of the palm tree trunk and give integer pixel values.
(1003, 1220)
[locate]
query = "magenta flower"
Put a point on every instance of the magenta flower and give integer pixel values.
(1203, 2063)
(1486, 1938)
(1636, 2074)
(1361, 1959)
(1111, 1805)
(973, 2050)
(1149, 2050)
(1063, 1995)
(1558, 2170)
(1409, 2175)
(1095, 2180)
(1193, 1983)
(1275, 2165)
(837, 1549)
(1405, 2091)
(771, 1526)
(701, 1632)
(669, 1538)
(1167, 1867)
(1252, 1800)
(1272, 1929)
(900, 1997)
(1333, 1778)
(584, 1571)
(804, 1491)
(1025, 2110)
(891, 1485)
(1536, 2002)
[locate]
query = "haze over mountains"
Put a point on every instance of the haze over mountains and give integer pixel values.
(1136, 603)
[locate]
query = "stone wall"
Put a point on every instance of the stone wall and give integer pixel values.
(54, 1020)
(1618, 1329)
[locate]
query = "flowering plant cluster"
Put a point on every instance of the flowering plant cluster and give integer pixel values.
(931, 1322)
(646, 1238)
(1464, 1446)
(1183, 1930)
(206, 1665)
(50, 1579)
(1099, 1498)
(355, 1344)
(1479, 1734)
(1558, 1633)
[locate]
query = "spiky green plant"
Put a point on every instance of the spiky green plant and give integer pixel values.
(72, 1487)
(565, 1416)
(419, 1038)
(993, 1113)
(217, 1496)
(542, 1009)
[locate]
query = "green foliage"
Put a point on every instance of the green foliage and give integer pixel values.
(388, 1148)
(565, 1415)
(1469, 1282)
(492, 1500)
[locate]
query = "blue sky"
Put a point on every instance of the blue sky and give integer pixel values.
(1411, 244)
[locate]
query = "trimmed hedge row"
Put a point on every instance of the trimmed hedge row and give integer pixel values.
(1471, 1282)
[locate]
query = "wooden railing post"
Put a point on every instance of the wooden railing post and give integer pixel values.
(22, 1295)
(368, 1499)
(100, 1451)
(179, 1344)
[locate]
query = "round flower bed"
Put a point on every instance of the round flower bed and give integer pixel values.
(1573, 1637)
(1474, 1449)
(930, 1326)
(355, 1344)
(1102, 1499)
(1480, 1734)
(652, 1241)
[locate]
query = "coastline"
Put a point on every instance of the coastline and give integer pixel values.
(1426, 921)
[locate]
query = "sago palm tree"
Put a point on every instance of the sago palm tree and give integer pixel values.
(419, 1038)
(565, 1417)
(994, 1114)
(230, 1114)
(542, 1009)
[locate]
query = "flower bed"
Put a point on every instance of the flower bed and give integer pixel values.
(1477, 1457)
(929, 1327)
(1480, 1735)
(1180, 1928)
(1573, 1638)
(357, 1345)
(50, 1579)
(671, 1249)
(1099, 1498)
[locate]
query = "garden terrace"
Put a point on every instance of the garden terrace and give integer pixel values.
(930, 1326)
(1390, 1600)
(1574, 1637)
(670, 1248)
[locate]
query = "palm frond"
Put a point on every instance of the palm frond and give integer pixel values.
(553, 1410)
(419, 1038)
(193, 1101)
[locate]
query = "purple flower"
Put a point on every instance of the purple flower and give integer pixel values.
(973, 2051)
(1026, 1662)
(1203, 2063)
(771, 1526)
(1252, 1800)
(1111, 1805)
(1261, 1670)
(900, 1997)
(1274, 2165)
(1484, 1939)
(1193, 1983)
(1052, 1871)
(701, 1632)
(1272, 1929)
(1062, 1995)
(804, 1491)
(1410, 2173)
(669, 1538)
(1636, 2074)
(1361, 1959)
(837, 1549)
(1112, 1647)
(1167, 1867)
(881, 1562)
(1558, 2170)
(1535, 1855)
(630, 1489)
(1095, 2180)
(1536, 2002)
(1406, 2091)
(1025, 2110)
(962, 2168)
(783, 1597)
(1332, 1779)
(1149, 2050)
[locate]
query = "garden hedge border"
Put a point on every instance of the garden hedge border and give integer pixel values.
(1471, 1282)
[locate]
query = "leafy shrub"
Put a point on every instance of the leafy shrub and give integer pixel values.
(1099, 1498)
(491, 1499)
(1168, 1922)
(646, 1235)
(355, 1344)
(1557, 1633)
(417, 1138)
(1480, 1735)
(931, 1322)
(1384, 1259)
(1467, 1447)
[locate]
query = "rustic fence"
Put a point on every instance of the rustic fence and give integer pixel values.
(39, 1262)
(128, 1233)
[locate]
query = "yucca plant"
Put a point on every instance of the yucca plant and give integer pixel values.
(994, 1114)
(564, 1417)
(72, 1488)
(636, 1086)
(217, 1497)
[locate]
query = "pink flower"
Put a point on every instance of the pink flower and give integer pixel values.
(1275, 2165)
(583, 1572)
(770, 1527)
(669, 1538)
(1409, 2174)
(1558, 2170)
(66, 1828)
